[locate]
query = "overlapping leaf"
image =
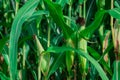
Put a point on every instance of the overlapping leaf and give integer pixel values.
(115, 12)
(86, 33)
(62, 2)
(56, 64)
(38, 13)
(97, 56)
(57, 15)
(81, 53)
(23, 14)
(3, 76)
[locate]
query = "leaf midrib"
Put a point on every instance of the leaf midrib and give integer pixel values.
(23, 16)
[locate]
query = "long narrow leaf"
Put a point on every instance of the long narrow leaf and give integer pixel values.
(86, 33)
(57, 15)
(23, 14)
(38, 13)
(56, 64)
(116, 75)
(3, 76)
(62, 2)
(81, 53)
(97, 56)
(115, 12)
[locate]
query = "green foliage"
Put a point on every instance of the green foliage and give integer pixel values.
(115, 13)
(62, 2)
(56, 63)
(2, 43)
(3, 76)
(20, 18)
(81, 1)
(58, 17)
(59, 40)
(116, 70)
(96, 55)
(82, 53)
(86, 33)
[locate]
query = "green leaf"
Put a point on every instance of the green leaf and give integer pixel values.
(17, 1)
(110, 46)
(93, 53)
(3, 76)
(100, 3)
(116, 4)
(88, 31)
(2, 43)
(33, 72)
(81, 1)
(5, 55)
(116, 75)
(56, 63)
(57, 15)
(23, 14)
(38, 13)
(29, 37)
(73, 24)
(81, 53)
(62, 2)
(115, 12)
(97, 56)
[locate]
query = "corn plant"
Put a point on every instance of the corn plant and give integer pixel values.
(59, 40)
